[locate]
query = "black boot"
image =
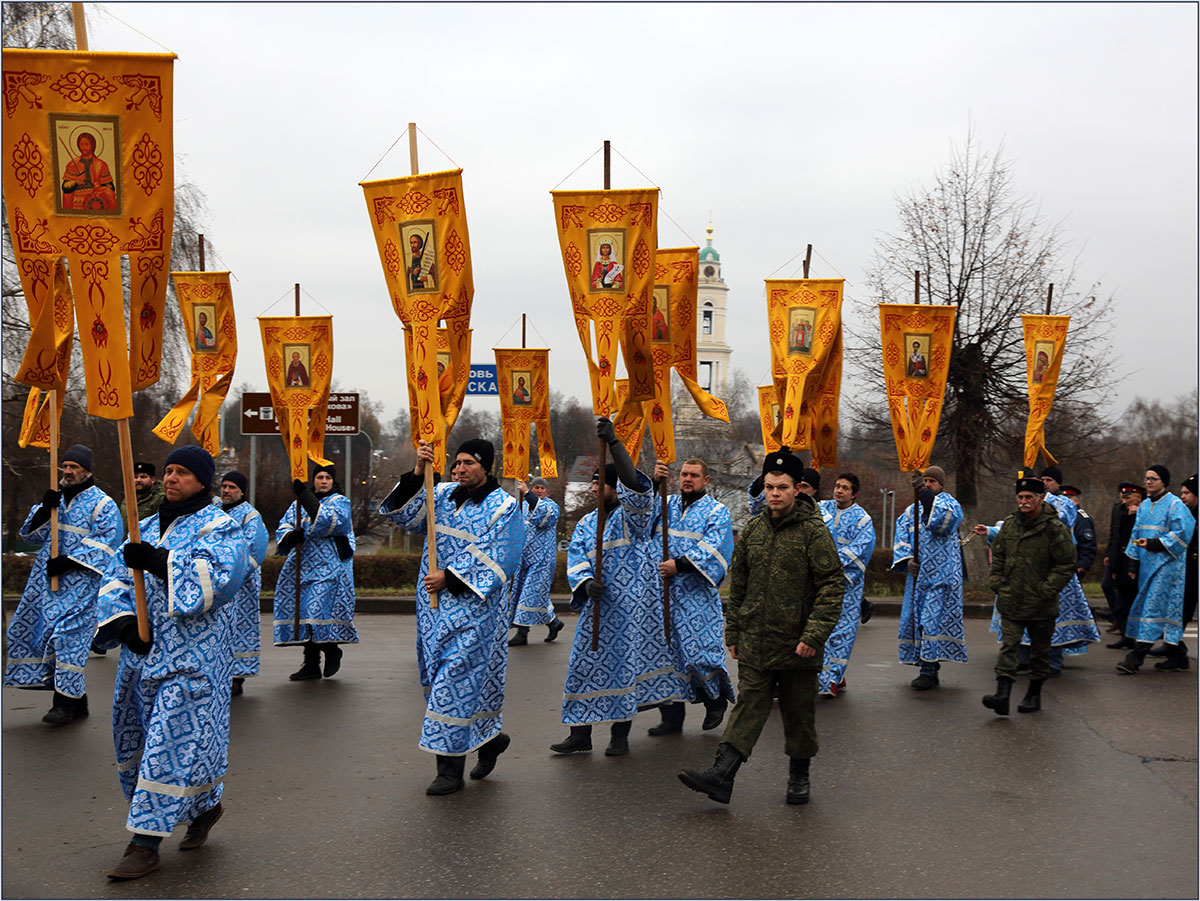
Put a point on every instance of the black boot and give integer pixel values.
(1177, 659)
(714, 712)
(1032, 702)
(579, 741)
(555, 627)
(488, 754)
(81, 710)
(798, 788)
(449, 776)
(62, 711)
(521, 638)
(333, 658)
(1134, 659)
(999, 701)
(672, 719)
(312, 664)
(236, 688)
(717, 780)
(618, 740)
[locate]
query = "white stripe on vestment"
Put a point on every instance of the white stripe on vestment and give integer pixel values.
(456, 533)
(866, 518)
(580, 566)
(854, 559)
(207, 530)
(68, 666)
(25, 661)
(245, 654)
(132, 762)
(109, 586)
(312, 622)
(682, 533)
(206, 588)
(333, 524)
(74, 530)
(505, 505)
(608, 546)
(602, 693)
(253, 563)
(715, 553)
(170, 581)
(99, 545)
(459, 720)
(488, 562)
(178, 791)
(945, 518)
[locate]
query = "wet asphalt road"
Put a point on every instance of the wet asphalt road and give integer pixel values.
(915, 795)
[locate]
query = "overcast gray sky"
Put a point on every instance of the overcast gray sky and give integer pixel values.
(791, 124)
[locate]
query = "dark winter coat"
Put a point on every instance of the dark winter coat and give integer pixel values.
(1032, 561)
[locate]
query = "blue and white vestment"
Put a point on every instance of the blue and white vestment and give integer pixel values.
(854, 534)
(247, 639)
(931, 618)
(1157, 611)
(530, 591)
(326, 580)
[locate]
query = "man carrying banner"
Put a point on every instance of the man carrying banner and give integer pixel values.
(700, 542)
(461, 652)
(323, 540)
(49, 636)
(246, 634)
(531, 601)
(931, 617)
(631, 668)
(785, 594)
(854, 535)
(149, 492)
(171, 703)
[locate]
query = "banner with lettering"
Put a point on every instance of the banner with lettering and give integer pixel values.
(298, 351)
(523, 375)
(608, 241)
(916, 341)
(89, 175)
(1045, 339)
(206, 304)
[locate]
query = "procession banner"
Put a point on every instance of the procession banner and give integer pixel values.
(630, 421)
(823, 408)
(298, 351)
(89, 175)
(450, 390)
(608, 241)
(916, 341)
(524, 378)
(420, 227)
(769, 418)
(673, 317)
(206, 304)
(805, 319)
(47, 357)
(1045, 339)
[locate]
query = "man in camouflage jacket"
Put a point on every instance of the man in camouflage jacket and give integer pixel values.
(785, 598)
(1033, 558)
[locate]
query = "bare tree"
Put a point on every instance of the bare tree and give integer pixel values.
(987, 249)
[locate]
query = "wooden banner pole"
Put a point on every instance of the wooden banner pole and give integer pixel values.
(807, 259)
(916, 500)
(135, 534)
(601, 513)
(52, 401)
(666, 555)
(1049, 298)
(202, 256)
(299, 547)
(81, 40)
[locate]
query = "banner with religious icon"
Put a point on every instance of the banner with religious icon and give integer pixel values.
(298, 352)
(420, 228)
(89, 175)
(916, 341)
(523, 375)
(450, 391)
(822, 408)
(1045, 338)
(608, 241)
(673, 317)
(206, 304)
(769, 418)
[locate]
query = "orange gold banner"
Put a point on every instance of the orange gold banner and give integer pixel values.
(89, 175)
(916, 341)
(48, 354)
(523, 375)
(769, 418)
(608, 241)
(451, 383)
(630, 421)
(35, 424)
(673, 317)
(206, 304)
(298, 351)
(1045, 339)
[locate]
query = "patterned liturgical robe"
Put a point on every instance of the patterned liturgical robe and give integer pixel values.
(462, 653)
(1157, 611)
(854, 534)
(247, 638)
(632, 668)
(531, 584)
(171, 705)
(326, 580)
(51, 632)
(931, 618)
(703, 534)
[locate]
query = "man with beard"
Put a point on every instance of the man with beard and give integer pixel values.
(461, 651)
(171, 702)
(149, 492)
(51, 631)
(246, 637)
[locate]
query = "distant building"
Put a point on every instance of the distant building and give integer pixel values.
(712, 353)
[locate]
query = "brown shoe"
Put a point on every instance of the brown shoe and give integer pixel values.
(197, 832)
(137, 862)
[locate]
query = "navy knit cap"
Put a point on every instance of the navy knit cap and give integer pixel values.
(481, 449)
(610, 474)
(326, 467)
(812, 477)
(78, 453)
(237, 478)
(195, 460)
(1163, 473)
(1054, 472)
(1190, 485)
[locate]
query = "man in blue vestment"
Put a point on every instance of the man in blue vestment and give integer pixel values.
(247, 638)
(531, 604)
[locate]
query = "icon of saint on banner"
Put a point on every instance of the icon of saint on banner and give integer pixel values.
(297, 357)
(916, 365)
(607, 249)
(204, 324)
(802, 323)
(419, 240)
(87, 162)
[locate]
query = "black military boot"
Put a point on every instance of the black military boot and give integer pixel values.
(798, 788)
(578, 742)
(714, 712)
(488, 754)
(717, 780)
(521, 638)
(1177, 658)
(618, 740)
(449, 775)
(62, 711)
(312, 664)
(333, 658)
(553, 629)
(672, 719)
(999, 701)
(1032, 702)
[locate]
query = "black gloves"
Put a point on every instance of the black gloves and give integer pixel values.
(131, 639)
(344, 552)
(1155, 545)
(594, 589)
(289, 541)
(626, 471)
(918, 480)
(605, 431)
(139, 555)
(306, 496)
(49, 504)
(926, 498)
(298, 487)
(60, 565)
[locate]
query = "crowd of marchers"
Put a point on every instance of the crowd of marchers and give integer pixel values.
(645, 570)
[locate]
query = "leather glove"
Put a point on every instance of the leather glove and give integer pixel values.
(605, 431)
(918, 480)
(298, 487)
(49, 504)
(60, 565)
(914, 567)
(308, 500)
(147, 557)
(289, 541)
(594, 589)
(131, 639)
(1155, 545)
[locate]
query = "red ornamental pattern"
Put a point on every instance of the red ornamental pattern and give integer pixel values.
(456, 252)
(83, 87)
(660, 271)
(38, 271)
(641, 214)
(641, 259)
(107, 395)
(149, 237)
(62, 312)
(146, 89)
(29, 239)
(382, 207)
(321, 365)
(19, 86)
(891, 354)
(90, 239)
(228, 329)
(574, 260)
(608, 212)
(449, 200)
(147, 164)
(148, 369)
(777, 330)
(685, 271)
(295, 333)
(571, 215)
(391, 258)
(414, 202)
(147, 317)
(27, 164)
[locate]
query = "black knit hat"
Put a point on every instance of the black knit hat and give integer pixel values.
(1034, 485)
(1190, 485)
(195, 460)
(785, 462)
(481, 449)
(141, 467)
(78, 453)
(326, 467)
(812, 477)
(1054, 472)
(237, 478)
(610, 474)
(1163, 473)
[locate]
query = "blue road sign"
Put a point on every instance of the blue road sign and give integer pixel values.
(483, 379)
